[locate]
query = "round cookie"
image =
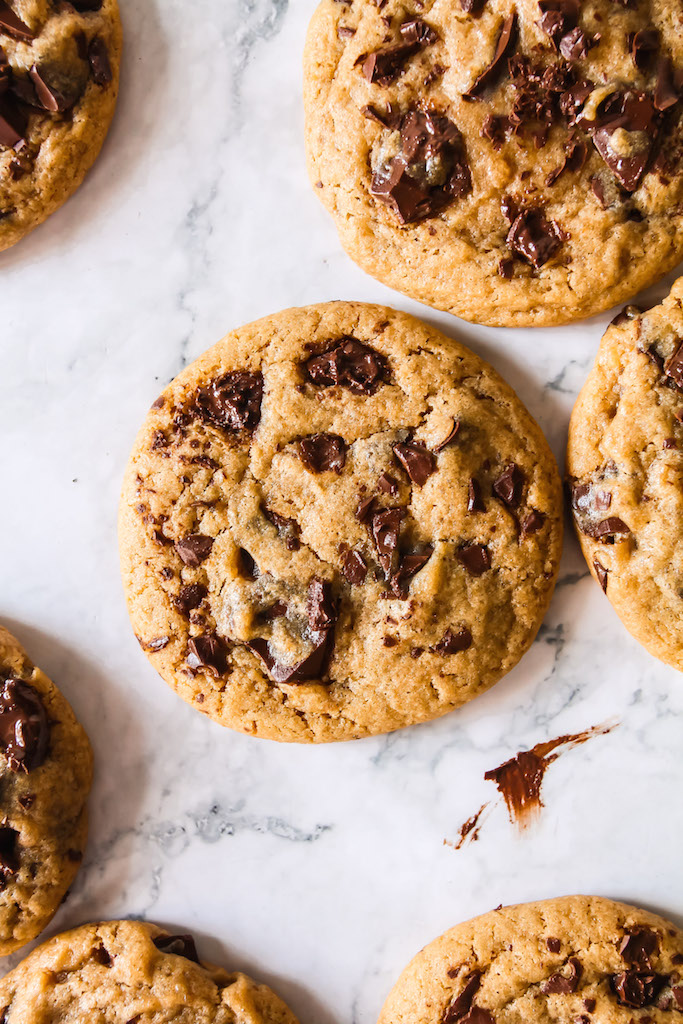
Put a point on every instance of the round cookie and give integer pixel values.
(45, 777)
(59, 72)
(514, 162)
(335, 523)
(130, 971)
(577, 958)
(625, 467)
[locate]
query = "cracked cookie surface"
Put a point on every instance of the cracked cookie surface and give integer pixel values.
(576, 958)
(337, 522)
(45, 776)
(514, 163)
(123, 971)
(59, 71)
(625, 467)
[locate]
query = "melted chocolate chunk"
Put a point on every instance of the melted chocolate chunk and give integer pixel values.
(232, 402)
(462, 1004)
(288, 529)
(476, 558)
(247, 565)
(385, 528)
(636, 988)
(12, 125)
(98, 58)
(178, 945)
(531, 523)
(418, 462)
(509, 486)
(474, 499)
(320, 606)
(575, 44)
(354, 567)
(388, 484)
(322, 616)
(634, 112)
(454, 643)
(607, 530)
(24, 728)
(564, 984)
(638, 946)
(190, 597)
(409, 566)
(9, 855)
(383, 66)
(12, 25)
(473, 7)
(429, 172)
(194, 549)
(644, 45)
(558, 17)
(351, 365)
(534, 237)
(673, 368)
(321, 453)
(207, 651)
(455, 430)
(504, 46)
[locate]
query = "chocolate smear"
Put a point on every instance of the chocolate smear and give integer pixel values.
(462, 1004)
(349, 364)
(534, 237)
(453, 643)
(12, 25)
(232, 402)
(475, 557)
(9, 856)
(24, 728)
(509, 486)
(504, 45)
(178, 945)
(470, 829)
(207, 651)
(194, 549)
(322, 453)
(418, 462)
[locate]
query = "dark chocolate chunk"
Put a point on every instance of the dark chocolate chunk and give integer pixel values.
(86, 5)
(590, 1005)
(638, 946)
(12, 125)
(157, 644)
(101, 956)
(558, 17)
(417, 460)
(178, 945)
(455, 430)
(98, 58)
(454, 643)
(24, 728)
(12, 25)
(627, 169)
(321, 453)
(554, 945)
(607, 530)
(388, 484)
(504, 44)
(531, 523)
(385, 528)
(534, 237)
(509, 486)
(634, 112)
(575, 44)
(194, 549)
(667, 92)
(207, 651)
(190, 597)
(409, 566)
(644, 45)
(673, 367)
(48, 96)
(384, 66)
(476, 558)
(322, 614)
(474, 499)
(478, 1015)
(351, 365)
(9, 855)
(636, 988)
(602, 500)
(247, 565)
(288, 529)
(320, 607)
(232, 402)
(462, 1004)
(354, 567)
(564, 984)
(473, 7)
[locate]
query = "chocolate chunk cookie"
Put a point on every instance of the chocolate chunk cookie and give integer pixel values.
(335, 523)
(45, 776)
(129, 971)
(515, 162)
(625, 466)
(59, 70)
(578, 958)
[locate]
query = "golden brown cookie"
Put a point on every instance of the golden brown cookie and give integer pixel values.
(515, 162)
(337, 522)
(59, 72)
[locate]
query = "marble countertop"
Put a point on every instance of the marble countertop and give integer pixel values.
(322, 870)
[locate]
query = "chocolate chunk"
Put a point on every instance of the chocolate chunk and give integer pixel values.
(429, 172)
(385, 528)
(207, 651)
(531, 523)
(636, 988)
(473, 7)
(409, 566)
(462, 1004)
(478, 1015)
(390, 118)
(194, 549)
(534, 237)
(504, 45)
(418, 462)
(87, 5)
(366, 509)
(157, 644)
(24, 728)
(476, 558)
(384, 66)
(48, 96)
(354, 567)
(454, 643)
(575, 44)
(602, 500)
(590, 1005)
(101, 956)
(635, 113)
(644, 44)
(474, 499)
(9, 855)
(673, 367)
(12, 125)
(247, 565)
(455, 430)
(554, 945)
(388, 484)
(98, 58)
(178, 945)
(666, 91)
(509, 486)
(320, 606)
(288, 529)
(627, 169)
(351, 365)
(232, 402)
(638, 946)
(190, 597)
(322, 614)
(13, 25)
(506, 269)
(558, 17)
(321, 453)
(607, 530)
(564, 984)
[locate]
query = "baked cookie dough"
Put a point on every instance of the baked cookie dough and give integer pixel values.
(625, 466)
(579, 958)
(335, 523)
(124, 971)
(45, 776)
(515, 163)
(59, 71)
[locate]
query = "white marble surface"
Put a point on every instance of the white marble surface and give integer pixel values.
(322, 870)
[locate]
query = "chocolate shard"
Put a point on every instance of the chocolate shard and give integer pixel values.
(564, 983)
(354, 567)
(9, 854)
(98, 58)
(475, 502)
(575, 44)
(602, 573)
(638, 946)
(534, 237)
(351, 365)
(454, 643)
(385, 528)
(194, 549)
(462, 1004)
(24, 727)
(190, 597)
(473, 7)
(667, 91)
(644, 45)
(627, 169)
(232, 402)
(409, 565)
(636, 988)
(418, 462)
(207, 651)
(504, 46)
(322, 453)
(673, 368)
(320, 606)
(558, 17)
(476, 558)
(48, 96)
(450, 438)
(178, 945)
(510, 485)
(385, 65)
(531, 523)
(12, 25)
(606, 531)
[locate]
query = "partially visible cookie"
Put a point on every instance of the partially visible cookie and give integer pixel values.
(59, 73)
(45, 776)
(578, 958)
(124, 971)
(335, 523)
(625, 467)
(515, 162)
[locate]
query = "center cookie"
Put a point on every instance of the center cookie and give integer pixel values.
(336, 523)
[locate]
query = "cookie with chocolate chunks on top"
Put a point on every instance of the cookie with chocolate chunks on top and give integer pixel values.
(625, 468)
(113, 970)
(386, 483)
(45, 776)
(513, 163)
(578, 958)
(59, 72)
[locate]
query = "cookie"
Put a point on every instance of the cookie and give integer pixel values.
(45, 776)
(130, 971)
(337, 522)
(515, 163)
(625, 466)
(578, 958)
(59, 71)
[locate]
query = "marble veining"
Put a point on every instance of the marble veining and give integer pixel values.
(321, 870)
